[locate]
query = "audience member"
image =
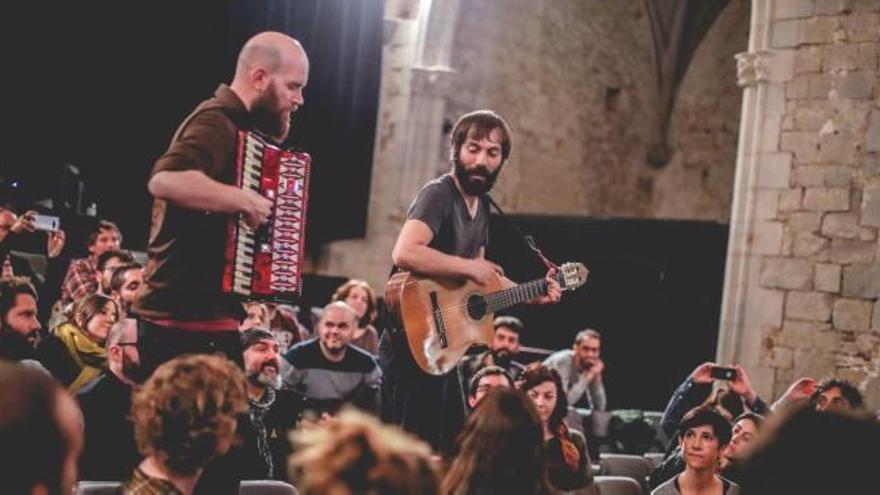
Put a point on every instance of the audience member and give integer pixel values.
(356, 454)
(835, 394)
(581, 371)
(256, 316)
(273, 412)
(12, 229)
(742, 440)
(502, 350)
(830, 394)
(83, 277)
(40, 433)
(19, 327)
(745, 428)
(568, 464)
(483, 381)
(286, 327)
(125, 283)
(110, 452)
(184, 416)
(697, 390)
(703, 434)
(108, 262)
(75, 352)
(809, 452)
(328, 370)
(360, 296)
(500, 449)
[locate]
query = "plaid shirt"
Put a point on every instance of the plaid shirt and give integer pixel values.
(81, 280)
(141, 484)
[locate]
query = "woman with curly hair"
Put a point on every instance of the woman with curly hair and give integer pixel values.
(360, 296)
(500, 449)
(75, 352)
(567, 458)
(184, 416)
(354, 453)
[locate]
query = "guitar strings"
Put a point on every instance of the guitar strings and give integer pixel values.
(452, 309)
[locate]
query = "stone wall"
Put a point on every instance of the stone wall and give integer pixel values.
(803, 271)
(576, 80)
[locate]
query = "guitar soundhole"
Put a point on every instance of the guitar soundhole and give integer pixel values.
(476, 306)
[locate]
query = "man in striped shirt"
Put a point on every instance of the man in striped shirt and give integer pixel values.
(330, 371)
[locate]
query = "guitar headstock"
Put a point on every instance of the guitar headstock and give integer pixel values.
(572, 275)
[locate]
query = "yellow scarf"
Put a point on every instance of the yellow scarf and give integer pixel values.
(88, 355)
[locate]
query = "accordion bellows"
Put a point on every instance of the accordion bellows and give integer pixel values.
(266, 263)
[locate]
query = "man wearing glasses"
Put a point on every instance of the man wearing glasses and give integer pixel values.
(110, 452)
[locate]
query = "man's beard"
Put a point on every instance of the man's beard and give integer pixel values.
(31, 338)
(264, 378)
(133, 370)
(501, 357)
(268, 118)
(470, 186)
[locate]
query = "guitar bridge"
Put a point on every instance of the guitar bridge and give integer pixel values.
(438, 321)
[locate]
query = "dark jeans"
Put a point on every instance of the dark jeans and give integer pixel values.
(157, 345)
(426, 405)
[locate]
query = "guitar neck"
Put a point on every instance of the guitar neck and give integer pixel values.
(503, 299)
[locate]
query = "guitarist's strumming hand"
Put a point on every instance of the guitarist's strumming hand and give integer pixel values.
(483, 271)
(554, 290)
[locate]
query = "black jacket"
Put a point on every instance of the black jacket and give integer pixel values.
(109, 452)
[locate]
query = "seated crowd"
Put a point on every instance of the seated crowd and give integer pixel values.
(305, 406)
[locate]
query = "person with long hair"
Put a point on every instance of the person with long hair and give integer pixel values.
(360, 296)
(500, 449)
(75, 353)
(568, 461)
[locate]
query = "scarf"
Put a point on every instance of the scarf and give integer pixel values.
(258, 411)
(89, 356)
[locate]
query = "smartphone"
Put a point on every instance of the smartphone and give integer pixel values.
(46, 222)
(723, 373)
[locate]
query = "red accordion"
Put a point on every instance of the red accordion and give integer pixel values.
(266, 263)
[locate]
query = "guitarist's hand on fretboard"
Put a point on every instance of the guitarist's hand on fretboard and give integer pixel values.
(554, 290)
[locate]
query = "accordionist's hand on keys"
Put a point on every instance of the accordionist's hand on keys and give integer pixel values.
(256, 208)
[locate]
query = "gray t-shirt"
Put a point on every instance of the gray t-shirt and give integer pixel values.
(441, 206)
(671, 488)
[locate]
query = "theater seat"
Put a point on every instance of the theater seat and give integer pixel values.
(618, 485)
(98, 487)
(656, 458)
(631, 466)
(249, 487)
(266, 487)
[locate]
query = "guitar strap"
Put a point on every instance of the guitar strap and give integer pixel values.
(528, 239)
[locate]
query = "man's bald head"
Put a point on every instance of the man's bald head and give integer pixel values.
(268, 51)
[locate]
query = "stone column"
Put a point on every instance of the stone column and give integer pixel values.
(409, 149)
(802, 274)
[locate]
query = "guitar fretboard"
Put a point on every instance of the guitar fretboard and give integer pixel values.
(521, 293)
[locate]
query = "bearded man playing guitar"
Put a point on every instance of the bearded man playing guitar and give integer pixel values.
(445, 235)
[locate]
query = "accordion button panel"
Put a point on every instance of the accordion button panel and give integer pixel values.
(250, 179)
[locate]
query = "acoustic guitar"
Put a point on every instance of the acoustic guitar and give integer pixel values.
(443, 317)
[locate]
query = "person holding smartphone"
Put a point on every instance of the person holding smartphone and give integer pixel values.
(14, 227)
(698, 387)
